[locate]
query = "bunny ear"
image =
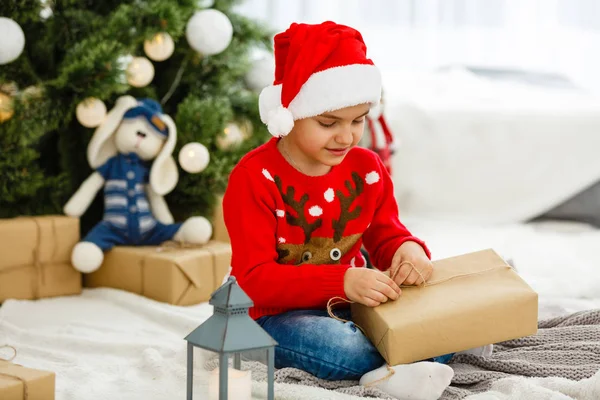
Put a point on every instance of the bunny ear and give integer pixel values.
(164, 174)
(101, 148)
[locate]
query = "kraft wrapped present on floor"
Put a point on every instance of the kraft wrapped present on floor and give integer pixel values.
(175, 275)
(470, 301)
(20, 383)
(35, 257)
(220, 233)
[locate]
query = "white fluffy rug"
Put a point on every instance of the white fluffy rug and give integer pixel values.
(109, 344)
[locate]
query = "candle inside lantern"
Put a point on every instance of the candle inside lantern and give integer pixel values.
(239, 385)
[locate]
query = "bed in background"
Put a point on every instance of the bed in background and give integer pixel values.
(583, 206)
(493, 146)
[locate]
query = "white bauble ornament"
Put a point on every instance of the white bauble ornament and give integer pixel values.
(140, 72)
(160, 47)
(209, 32)
(46, 12)
(90, 112)
(205, 3)
(231, 136)
(261, 74)
(12, 40)
(194, 157)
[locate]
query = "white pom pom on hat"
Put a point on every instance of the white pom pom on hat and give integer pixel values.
(318, 68)
(280, 121)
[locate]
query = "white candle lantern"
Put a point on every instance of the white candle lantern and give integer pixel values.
(239, 386)
(230, 330)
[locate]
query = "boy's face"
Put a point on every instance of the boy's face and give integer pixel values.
(327, 138)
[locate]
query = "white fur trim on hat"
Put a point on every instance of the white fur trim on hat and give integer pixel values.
(328, 90)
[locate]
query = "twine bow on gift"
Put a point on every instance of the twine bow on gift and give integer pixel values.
(334, 301)
(39, 279)
(36, 258)
(7, 346)
(172, 245)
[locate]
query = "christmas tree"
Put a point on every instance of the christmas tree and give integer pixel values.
(64, 62)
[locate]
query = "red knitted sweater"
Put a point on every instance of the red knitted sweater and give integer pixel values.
(294, 236)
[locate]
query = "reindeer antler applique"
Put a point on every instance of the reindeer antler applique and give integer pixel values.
(345, 203)
(319, 250)
(298, 206)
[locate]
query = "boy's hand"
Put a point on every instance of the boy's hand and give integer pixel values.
(369, 287)
(413, 253)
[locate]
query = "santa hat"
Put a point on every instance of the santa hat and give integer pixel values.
(318, 68)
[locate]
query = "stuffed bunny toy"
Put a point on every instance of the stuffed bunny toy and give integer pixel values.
(131, 152)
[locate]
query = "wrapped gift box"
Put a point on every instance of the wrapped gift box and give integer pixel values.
(219, 229)
(36, 257)
(470, 301)
(20, 383)
(180, 276)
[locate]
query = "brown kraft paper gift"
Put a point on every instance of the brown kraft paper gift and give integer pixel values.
(35, 257)
(220, 233)
(180, 276)
(470, 301)
(20, 383)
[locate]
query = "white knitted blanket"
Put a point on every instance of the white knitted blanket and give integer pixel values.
(565, 350)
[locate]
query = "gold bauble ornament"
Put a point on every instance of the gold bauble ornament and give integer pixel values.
(160, 47)
(140, 72)
(231, 136)
(91, 112)
(246, 127)
(6, 107)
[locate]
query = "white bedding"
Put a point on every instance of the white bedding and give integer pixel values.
(108, 344)
(472, 149)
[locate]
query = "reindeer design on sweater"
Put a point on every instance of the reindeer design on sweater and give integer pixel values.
(320, 250)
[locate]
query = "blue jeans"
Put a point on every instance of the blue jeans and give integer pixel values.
(312, 341)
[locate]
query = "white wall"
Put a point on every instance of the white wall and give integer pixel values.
(546, 35)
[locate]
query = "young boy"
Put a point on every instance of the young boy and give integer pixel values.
(299, 208)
